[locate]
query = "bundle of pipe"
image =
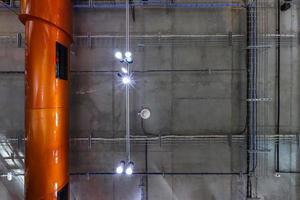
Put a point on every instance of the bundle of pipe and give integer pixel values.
(48, 31)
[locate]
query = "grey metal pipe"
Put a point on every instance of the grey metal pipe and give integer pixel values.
(274, 137)
(163, 173)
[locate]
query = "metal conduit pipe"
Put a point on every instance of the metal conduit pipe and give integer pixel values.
(155, 174)
(157, 4)
(251, 93)
(163, 173)
(278, 63)
(163, 36)
(48, 33)
(143, 138)
(150, 4)
(209, 70)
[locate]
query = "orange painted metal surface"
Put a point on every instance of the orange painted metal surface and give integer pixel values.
(47, 97)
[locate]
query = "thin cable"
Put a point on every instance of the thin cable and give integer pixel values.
(277, 166)
(128, 148)
(127, 25)
(128, 123)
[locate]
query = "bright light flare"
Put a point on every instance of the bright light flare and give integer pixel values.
(126, 80)
(129, 60)
(119, 170)
(128, 54)
(119, 55)
(124, 70)
(120, 167)
(9, 176)
(129, 169)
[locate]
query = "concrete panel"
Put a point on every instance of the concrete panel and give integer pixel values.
(12, 59)
(202, 115)
(201, 187)
(190, 58)
(91, 103)
(11, 104)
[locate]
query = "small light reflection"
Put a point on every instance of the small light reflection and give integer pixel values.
(56, 156)
(10, 162)
(56, 119)
(56, 188)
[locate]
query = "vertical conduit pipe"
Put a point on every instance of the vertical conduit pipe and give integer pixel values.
(251, 92)
(48, 28)
(278, 51)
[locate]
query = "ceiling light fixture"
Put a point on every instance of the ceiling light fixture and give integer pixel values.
(126, 80)
(128, 54)
(119, 55)
(120, 167)
(124, 70)
(129, 168)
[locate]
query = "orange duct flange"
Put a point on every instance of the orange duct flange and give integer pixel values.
(48, 27)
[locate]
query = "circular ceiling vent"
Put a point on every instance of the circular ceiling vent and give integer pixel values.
(145, 113)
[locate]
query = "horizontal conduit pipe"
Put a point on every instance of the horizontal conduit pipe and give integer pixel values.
(165, 137)
(162, 173)
(138, 71)
(163, 36)
(154, 174)
(165, 174)
(159, 5)
(152, 4)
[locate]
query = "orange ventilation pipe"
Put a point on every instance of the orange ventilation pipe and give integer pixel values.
(48, 28)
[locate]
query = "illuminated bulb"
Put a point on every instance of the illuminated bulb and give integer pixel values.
(119, 55)
(128, 54)
(126, 80)
(124, 70)
(129, 59)
(129, 169)
(9, 176)
(120, 168)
